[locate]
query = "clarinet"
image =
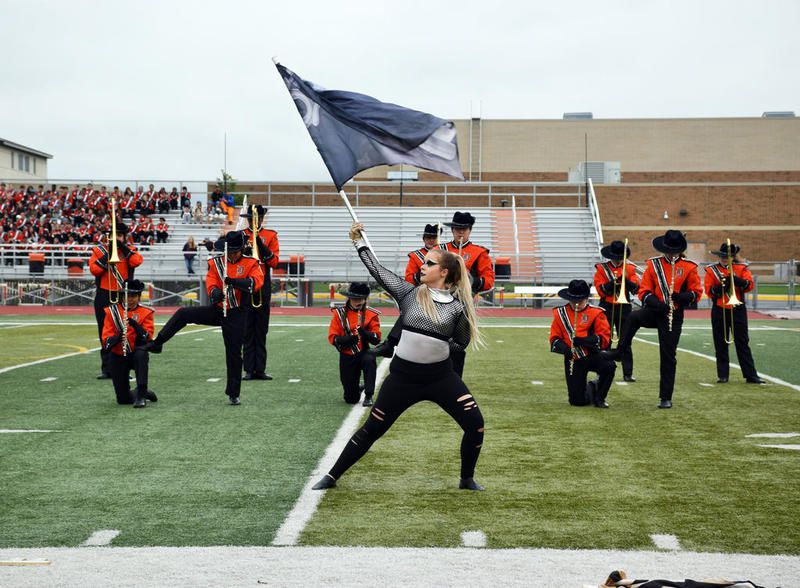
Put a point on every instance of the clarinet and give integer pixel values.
(669, 295)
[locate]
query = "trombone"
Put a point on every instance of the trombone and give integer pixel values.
(733, 300)
(113, 295)
(620, 298)
(254, 245)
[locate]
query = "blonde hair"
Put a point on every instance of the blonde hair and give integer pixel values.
(457, 281)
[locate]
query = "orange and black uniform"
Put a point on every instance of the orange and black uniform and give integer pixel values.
(592, 333)
(245, 277)
(139, 330)
(415, 260)
(255, 337)
(351, 332)
(654, 293)
(717, 288)
(607, 283)
(110, 277)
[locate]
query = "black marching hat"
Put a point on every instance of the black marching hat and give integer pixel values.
(723, 250)
(134, 286)
(357, 290)
(671, 242)
(461, 220)
(234, 239)
(248, 213)
(432, 230)
(577, 290)
(615, 250)
(122, 229)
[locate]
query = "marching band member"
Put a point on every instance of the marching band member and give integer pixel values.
(129, 321)
(257, 327)
(229, 292)
(578, 331)
(354, 326)
(607, 282)
(438, 316)
(669, 284)
(718, 288)
(109, 281)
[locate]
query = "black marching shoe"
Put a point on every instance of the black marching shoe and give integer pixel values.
(138, 400)
(248, 376)
(600, 403)
(151, 396)
(103, 376)
(469, 484)
(367, 401)
(385, 349)
(152, 346)
(261, 376)
(234, 400)
(611, 354)
(629, 378)
(665, 404)
(722, 380)
(755, 380)
(326, 482)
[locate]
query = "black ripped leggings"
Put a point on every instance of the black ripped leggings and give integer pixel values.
(407, 384)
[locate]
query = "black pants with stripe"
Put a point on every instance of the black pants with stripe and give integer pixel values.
(741, 339)
(350, 369)
(255, 333)
(578, 393)
(667, 342)
(101, 302)
(407, 384)
(121, 366)
(621, 313)
(232, 334)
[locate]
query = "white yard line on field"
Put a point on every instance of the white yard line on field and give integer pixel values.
(666, 542)
(473, 539)
(792, 447)
(306, 505)
(28, 431)
(99, 538)
(772, 379)
(774, 435)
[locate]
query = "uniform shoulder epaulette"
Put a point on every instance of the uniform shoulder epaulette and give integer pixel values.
(742, 263)
(694, 263)
(335, 307)
(373, 309)
(486, 249)
(150, 308)
(270, 230)
(654, 258)
(597, 307)
(636, 267)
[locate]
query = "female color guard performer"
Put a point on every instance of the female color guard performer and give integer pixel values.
(438, 316)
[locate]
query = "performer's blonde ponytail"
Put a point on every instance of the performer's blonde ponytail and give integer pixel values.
(461, 288)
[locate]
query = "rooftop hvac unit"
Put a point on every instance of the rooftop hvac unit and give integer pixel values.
(600, 172)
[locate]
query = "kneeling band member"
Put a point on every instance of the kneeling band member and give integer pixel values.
(127, 327)
(353, 328)
(229, 292)
(578, 332)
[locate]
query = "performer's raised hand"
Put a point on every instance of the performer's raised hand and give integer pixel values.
(355, 231)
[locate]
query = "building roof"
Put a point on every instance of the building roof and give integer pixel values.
(18, 147)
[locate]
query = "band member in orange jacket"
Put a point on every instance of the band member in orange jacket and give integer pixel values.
(130, 324)
(229, 293)
(734, 319)
(109, 280)
(354, 326)
(669, 284)
(430, 239)
(607, 282)
(578, 331)
(255, 336)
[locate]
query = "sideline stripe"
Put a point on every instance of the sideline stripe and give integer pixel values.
(473, 539)
(25, 562)
(307, 503)
(666, 542)
(734, 365)
(774, 435)
(795, 447)
(92, 350)
(29, 431)
(99, 538)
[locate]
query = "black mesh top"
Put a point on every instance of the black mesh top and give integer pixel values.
(453, 325)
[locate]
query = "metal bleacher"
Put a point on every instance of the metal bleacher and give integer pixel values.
(567, 244)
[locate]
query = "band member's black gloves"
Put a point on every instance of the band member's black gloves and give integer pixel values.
(264, 252)
(124, 249)
(560, 347)
(371, 337)
(589, 341)
(716, 291)
(652, 302)
(245, 284)
(607, 288)
(112, 341)
(683, 298)
(216, 296)
(342, 341)
(141, 333)
(632, 287)
(740, 282)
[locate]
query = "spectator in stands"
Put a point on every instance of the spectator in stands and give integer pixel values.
(228, 206)
(186, 198)
(189, 253)
(186, 217)
(198, 213)
(216, 197)
(174, 197)
(162, 230)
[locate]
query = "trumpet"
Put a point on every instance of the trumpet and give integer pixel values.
(113, 295)
(621, 297)
(254, 244)
(733, 300)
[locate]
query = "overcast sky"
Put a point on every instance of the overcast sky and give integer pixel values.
(148, 89)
